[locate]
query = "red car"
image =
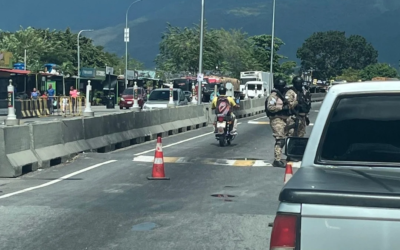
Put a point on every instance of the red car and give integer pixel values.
(127, 98)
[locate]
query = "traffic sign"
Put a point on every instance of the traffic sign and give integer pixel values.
(200, 77)
(109, 70)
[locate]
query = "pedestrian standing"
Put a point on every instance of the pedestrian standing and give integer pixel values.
(278, 106)
(50, 101)
(298, 122)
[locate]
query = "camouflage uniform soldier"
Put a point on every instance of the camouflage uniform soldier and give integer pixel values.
(298, 122)
(278, 106)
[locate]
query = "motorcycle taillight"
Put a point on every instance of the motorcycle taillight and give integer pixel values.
(220, 118)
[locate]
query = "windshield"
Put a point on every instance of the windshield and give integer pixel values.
(130, 91)
(253, 86)
(162, 95)
(364, 128)
(244, 81)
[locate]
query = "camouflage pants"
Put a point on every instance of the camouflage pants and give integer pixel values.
(278, 131)
(301, 129)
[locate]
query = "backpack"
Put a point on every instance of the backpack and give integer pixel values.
(304, 102)
(223, 106)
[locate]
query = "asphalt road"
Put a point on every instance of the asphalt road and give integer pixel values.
(104, 201)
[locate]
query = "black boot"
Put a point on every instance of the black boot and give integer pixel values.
(279, 164)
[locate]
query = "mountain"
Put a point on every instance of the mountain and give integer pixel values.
(376, 20)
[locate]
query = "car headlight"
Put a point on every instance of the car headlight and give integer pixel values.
(122, 99)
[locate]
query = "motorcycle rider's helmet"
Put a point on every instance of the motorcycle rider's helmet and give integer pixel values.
(297, 82)
(222, 90)
(280, 84)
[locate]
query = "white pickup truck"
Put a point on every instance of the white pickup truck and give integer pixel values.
(346, 193)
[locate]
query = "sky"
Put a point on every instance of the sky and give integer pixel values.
(95, 14)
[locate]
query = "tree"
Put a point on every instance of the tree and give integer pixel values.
(288, 67)
(232, 51)
(262, 51)
(179, 49)
(38, 45)
(236, 51)
(331, 52)
(350, 75)
(359, 53)
(59, 47)
(378, 70)
(119, 64)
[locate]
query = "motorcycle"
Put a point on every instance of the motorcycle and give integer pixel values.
(223, 134)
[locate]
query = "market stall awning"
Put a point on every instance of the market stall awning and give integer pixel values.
(16, 71)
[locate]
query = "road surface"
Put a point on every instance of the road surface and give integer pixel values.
(104, 201)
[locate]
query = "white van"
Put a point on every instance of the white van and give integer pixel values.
(254, 88)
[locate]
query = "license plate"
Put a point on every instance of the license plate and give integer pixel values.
(221, 124)
(129, 102)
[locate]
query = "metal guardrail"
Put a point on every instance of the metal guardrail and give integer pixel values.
(43, 107)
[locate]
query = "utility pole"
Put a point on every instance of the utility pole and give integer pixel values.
(272, 45)
(201, 53)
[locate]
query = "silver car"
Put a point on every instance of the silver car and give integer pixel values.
(159, 99)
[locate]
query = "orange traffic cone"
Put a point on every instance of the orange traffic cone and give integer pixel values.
(158, 164)
(288, 173)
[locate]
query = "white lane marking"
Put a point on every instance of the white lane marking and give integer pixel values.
(311, 124)
(179, 142)
(176, 143)
(144, 158)
(260, 163)
(57, 180)
(255, 122)
(260, 118)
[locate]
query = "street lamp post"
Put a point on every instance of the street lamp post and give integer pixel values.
(272, 46)
(199, 90)
(126, 40)
(79, 55)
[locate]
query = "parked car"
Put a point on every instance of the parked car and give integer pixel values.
(127, 98)
(159, 99)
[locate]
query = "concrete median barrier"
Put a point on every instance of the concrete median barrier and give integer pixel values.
(47, 143)
(26, 148)
(16, 156)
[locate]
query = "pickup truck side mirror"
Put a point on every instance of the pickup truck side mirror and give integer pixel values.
(295, 147)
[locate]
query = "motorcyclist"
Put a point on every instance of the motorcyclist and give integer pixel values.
(301, 110)
(278, 106)
(224, 104)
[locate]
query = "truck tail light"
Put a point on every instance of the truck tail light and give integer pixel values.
(283, 236)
